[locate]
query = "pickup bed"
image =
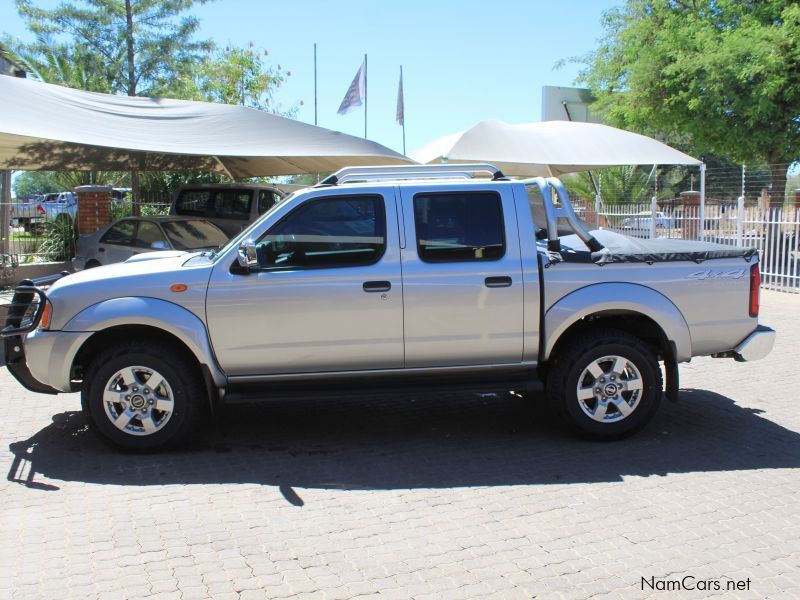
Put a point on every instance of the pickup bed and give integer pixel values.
(391, 278)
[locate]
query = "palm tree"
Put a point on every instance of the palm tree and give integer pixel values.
(68, 65)
(627, 184)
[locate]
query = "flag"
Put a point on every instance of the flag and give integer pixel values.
(355, 93)
(401, 109)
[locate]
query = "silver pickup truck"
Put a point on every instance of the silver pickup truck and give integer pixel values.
(391, 278)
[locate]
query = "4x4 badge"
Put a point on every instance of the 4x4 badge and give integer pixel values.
(704, 274)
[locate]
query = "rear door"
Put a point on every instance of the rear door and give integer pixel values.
(228, 208)
(462, 276)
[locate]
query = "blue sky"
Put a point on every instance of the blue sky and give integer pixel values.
(463, 61)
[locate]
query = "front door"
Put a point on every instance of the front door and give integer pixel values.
(326, 295)
(462, 277)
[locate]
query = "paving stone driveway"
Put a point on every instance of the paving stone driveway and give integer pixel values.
(443, 497)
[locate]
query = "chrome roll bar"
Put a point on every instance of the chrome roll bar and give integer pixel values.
(563, 211)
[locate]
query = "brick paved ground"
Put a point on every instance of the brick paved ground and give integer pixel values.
(445, 497)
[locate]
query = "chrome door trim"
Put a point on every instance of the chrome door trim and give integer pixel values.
(521, 366)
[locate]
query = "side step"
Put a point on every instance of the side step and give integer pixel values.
(267, 391)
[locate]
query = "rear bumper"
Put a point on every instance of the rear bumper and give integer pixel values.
(756, 345)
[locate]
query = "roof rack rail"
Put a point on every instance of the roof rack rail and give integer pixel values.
(396, 172)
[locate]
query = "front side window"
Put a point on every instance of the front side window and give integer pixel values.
(341, 231)
(120, 234)
(455, 227)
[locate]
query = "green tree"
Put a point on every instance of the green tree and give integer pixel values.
(30, 183)
(71, 65)
(234, 75)
(146, 47)
(626, 184)
(721, 76)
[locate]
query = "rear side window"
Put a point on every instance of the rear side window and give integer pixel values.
(215, 203)
(233, 204)
(120, 234)
(341, 231)
(195, 203)
(455, 227)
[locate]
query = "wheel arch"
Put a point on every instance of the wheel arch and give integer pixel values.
(144, 317)
(634, 308)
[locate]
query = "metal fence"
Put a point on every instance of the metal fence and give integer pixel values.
(774, 232)
(37, 235)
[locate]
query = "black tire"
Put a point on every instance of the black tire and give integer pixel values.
(91, 264)
(567, 372)
(179, 370)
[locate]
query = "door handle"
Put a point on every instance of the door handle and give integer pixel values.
(377, 286)
(503, 281)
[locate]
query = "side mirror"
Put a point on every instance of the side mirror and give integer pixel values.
(159, 245)
(247, 257)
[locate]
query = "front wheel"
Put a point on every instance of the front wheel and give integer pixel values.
(605, 384)
(139, 397)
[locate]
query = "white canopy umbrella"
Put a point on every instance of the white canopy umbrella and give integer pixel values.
(49, 127)
(549, 148)
(552, 148)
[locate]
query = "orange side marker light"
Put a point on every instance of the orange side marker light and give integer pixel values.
(178, 287)
(45, 322)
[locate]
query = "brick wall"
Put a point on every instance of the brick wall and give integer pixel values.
(94, 207)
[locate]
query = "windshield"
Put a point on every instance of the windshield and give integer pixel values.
(193, 235)
(245, 233)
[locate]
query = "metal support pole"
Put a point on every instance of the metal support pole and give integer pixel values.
(653, 208)
(702, 226)
(598, 204)
(315, 83)
(740, 221)
(5, 211)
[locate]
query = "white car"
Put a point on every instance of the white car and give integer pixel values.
(134, 235)
(642, 221)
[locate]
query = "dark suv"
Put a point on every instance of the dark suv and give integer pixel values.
(230, 206)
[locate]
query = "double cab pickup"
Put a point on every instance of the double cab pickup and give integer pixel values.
(391, 278)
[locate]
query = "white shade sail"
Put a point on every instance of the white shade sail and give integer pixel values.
(549, 148)
(49, 127)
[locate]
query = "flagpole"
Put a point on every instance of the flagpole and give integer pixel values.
(315, 83)
(315, 90)
(404, 110)
(365, 96)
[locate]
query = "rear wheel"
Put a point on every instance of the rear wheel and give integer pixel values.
(139, 401)
(605, 384)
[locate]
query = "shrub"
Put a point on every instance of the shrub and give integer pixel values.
(58, 240)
